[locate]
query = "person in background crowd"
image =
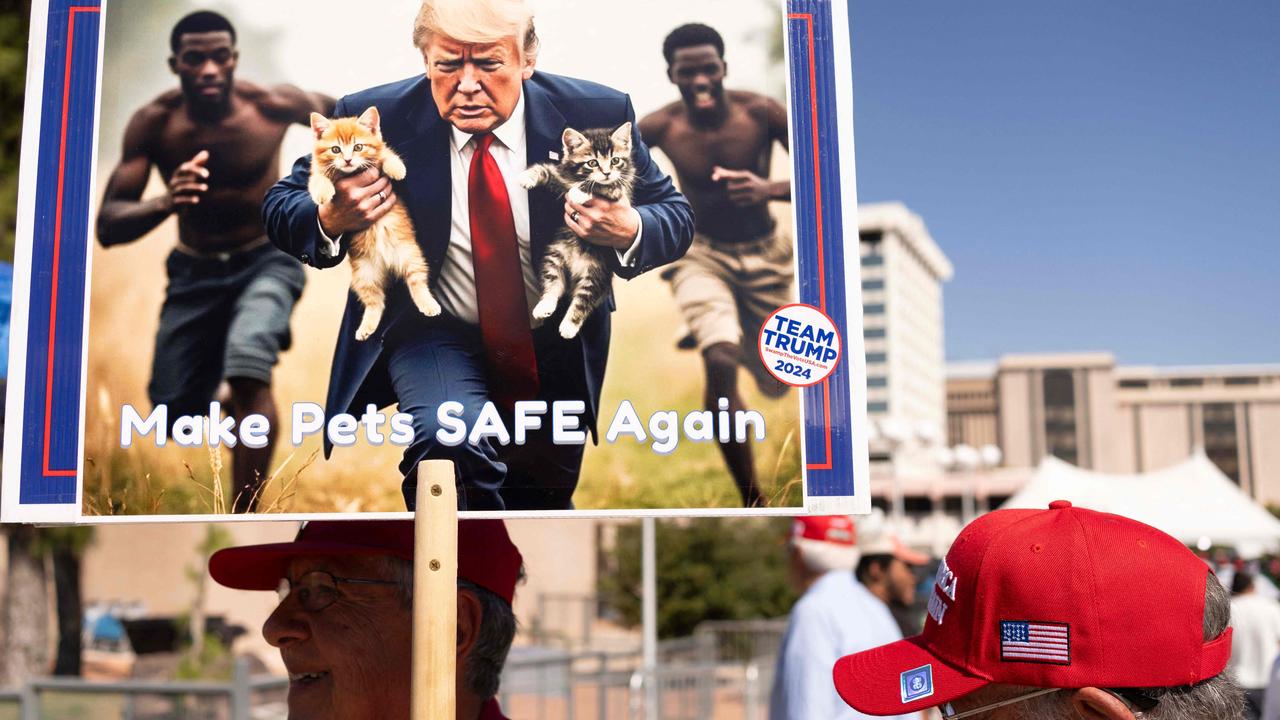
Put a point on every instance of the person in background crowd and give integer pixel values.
(344, 623)
(1059, 614)
(1256, 620)
(1271, 703)
(838, 613)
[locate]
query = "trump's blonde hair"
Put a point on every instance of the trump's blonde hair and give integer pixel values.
(477, 21)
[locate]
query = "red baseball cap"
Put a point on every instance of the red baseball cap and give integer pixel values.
(486, 555)
(834, 529)
(1064, 597)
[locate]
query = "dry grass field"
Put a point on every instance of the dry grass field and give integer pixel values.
(644, 367)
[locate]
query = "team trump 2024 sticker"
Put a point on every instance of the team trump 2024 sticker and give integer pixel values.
(799, 345)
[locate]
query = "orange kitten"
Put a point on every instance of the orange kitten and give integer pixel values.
(386, 249)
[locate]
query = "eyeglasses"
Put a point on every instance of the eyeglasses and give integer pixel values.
(196, 58)
(318, 589)
(949, 712)
(1132, 699)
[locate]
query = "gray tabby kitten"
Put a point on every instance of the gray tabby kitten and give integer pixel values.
(595, 162)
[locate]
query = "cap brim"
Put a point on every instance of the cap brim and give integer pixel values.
(911, 557)
(260, 567)
(872, 681)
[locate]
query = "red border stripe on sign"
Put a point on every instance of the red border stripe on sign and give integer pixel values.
(57, 239)
(817, 194)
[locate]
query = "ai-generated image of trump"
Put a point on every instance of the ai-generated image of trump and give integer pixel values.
(485, 232)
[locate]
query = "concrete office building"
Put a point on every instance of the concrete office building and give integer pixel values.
(902, 274)
(1086, 410)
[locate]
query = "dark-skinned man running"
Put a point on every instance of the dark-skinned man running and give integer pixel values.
(226, 312)
(739, 269)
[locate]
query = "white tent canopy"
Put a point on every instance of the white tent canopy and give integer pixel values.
(1192, 501)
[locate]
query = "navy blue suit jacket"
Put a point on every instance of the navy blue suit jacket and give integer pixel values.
(413, 127)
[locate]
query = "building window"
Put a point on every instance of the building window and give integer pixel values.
(1186, 382)
(873, 309)
(878, 406)
(873, 284)
(1134, 383)
(873, 260)
(1060, 415)
(1243, 380)
(877, 357)
(1220, 440)
(873, 333)
(877, 381)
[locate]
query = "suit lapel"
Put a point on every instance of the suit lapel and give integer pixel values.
(428, 184)
(543, 127)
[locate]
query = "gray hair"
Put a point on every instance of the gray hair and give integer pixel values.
(477, 21)
(1218, 698)
(497, 629)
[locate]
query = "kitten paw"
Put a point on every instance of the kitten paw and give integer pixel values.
(322, 194)
(426, 304)
(364, 331)
(545, 308)
(529, 178)
(569, 329)
(394, 168)
(578, 195)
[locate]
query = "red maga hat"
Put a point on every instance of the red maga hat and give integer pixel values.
(1060, 598)
(486, 555)
(834, 529)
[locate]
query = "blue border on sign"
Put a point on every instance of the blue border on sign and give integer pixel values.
(815, 153)
(50, 448)
(59, 255)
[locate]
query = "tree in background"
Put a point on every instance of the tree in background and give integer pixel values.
(66, 546)
(24, 618)
(14, 16)
(708, 569)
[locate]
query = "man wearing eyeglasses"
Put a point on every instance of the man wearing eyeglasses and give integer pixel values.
(1059, 614)
(344, 622)
(216, 142)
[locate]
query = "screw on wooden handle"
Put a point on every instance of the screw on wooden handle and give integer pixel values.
(436, 490)
(435, 564)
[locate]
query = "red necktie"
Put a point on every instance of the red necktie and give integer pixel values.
(500, 292)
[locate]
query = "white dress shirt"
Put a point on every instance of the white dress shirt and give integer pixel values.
(456, 285)
(1256, 641)
(837, 616)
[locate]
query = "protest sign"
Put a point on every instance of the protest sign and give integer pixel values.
(179, 348)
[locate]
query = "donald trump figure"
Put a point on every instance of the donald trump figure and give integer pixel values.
(466, 130)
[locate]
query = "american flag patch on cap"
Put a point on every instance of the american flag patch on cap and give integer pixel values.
(1035, 642)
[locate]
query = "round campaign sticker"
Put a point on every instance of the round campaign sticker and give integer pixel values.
(799, 345)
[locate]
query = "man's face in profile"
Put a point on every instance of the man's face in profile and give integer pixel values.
(205, 65)
(475, 85)
(351, 659)
(699, 73)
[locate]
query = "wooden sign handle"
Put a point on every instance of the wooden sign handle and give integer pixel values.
(435, 592)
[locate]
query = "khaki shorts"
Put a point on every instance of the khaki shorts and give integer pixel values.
(725, 291)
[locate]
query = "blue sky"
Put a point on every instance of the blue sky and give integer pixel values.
(1103, 176)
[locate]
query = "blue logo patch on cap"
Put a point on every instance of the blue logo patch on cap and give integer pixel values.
(917, 684)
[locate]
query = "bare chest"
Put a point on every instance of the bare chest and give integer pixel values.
(243, 148)
(740, 143)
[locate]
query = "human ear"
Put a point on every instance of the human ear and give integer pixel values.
(173, 65)
(470, 615)
(529, 62)
(1094, 704)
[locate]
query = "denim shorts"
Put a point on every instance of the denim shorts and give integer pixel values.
(223, 317)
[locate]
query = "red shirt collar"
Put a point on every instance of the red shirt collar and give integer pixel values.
(491, 711)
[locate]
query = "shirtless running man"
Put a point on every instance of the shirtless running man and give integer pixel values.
(231, 293)
(739, 269)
